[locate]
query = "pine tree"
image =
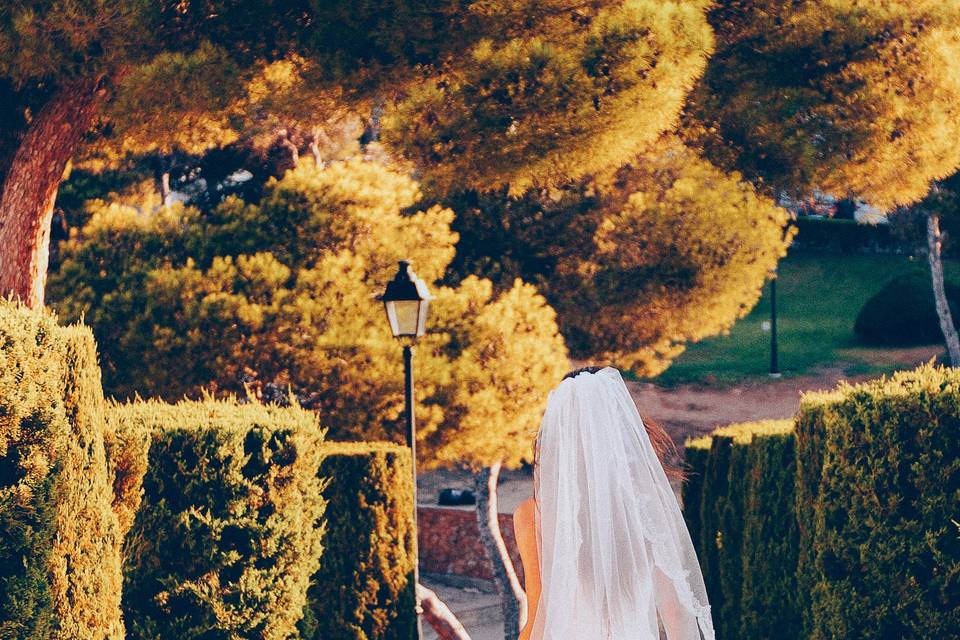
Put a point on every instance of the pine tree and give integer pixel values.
(547, 88)
(852, 97)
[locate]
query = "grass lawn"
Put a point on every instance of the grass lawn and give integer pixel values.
(818, 299)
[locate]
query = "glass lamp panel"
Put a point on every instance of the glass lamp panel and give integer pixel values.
(422, 317)
(403, 316)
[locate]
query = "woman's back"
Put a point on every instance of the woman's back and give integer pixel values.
(604, 541)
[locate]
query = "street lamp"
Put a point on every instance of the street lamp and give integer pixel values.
(406, 300)
(774, 347)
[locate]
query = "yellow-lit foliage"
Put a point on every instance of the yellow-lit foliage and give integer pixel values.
(177, 102)
(849, 96)
(680, 253)
(61, 525)
(552, 91)
(280, 297)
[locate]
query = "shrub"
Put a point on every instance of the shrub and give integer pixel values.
(364, 588)
(903, 312)
(879, 476)
(59, 539)
(32, 420)
(846, 236)
(230, 525)
(127, 446)
(739, 509)
(848, 526)
(237, 299)
(86, 563)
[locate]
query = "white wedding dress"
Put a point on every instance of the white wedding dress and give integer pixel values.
(615, 554)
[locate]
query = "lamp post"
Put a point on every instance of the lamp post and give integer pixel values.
(774, 347)
(406, 300)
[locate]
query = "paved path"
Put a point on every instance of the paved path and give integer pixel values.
(478, 612)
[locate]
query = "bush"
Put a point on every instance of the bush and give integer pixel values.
(845, 528)
(846, 236)
(739, 508)
(879, 481)
(237, 300)
(364, 588)
(229, 529)
(903, 313)
(59, 539)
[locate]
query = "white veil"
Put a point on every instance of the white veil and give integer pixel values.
(615, 554)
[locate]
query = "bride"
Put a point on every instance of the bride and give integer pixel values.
(606, 554)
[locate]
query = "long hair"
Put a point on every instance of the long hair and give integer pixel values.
(663, 444)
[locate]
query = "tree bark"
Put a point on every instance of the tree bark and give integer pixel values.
(161, 178)
(315, 148)
(504, 575)
(439, 616)
(935, 258)
(31, 182)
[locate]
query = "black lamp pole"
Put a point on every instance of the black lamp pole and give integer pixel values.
(774, 347)
(406, 301)
(412, 443)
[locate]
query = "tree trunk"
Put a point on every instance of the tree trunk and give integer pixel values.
(315, 148)
(504, 575)
(30, 187)
(291, 147)
(161, 177)
(439, 616)
(934, 242)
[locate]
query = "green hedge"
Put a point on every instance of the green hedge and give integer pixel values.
(364, 588)
(844, 526)
(739, 508)
(60, 540)
(846, 236)
(230, 525)
(880, 480)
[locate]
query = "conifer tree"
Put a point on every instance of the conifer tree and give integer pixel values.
(673, 250)
(547, 88)
(852, 97)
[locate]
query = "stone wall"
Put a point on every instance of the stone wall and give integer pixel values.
(449, 542)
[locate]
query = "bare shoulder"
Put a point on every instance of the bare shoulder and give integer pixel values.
(523, 515)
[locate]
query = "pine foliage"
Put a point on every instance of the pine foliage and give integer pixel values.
(852, 97)
(672, 251)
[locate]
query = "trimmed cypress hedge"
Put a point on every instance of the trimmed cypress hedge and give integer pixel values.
(229, 529)
(880, 477)
(364, 587)
(739, 508)
(32, 425)
(59, 538)
(843, 527)
(86, 562)
(225, 516)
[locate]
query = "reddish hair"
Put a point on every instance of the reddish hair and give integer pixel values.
(663, 444)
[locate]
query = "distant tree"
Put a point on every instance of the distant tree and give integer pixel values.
(931, 222)
(673, 251)
(494, 92)
(853, 98)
